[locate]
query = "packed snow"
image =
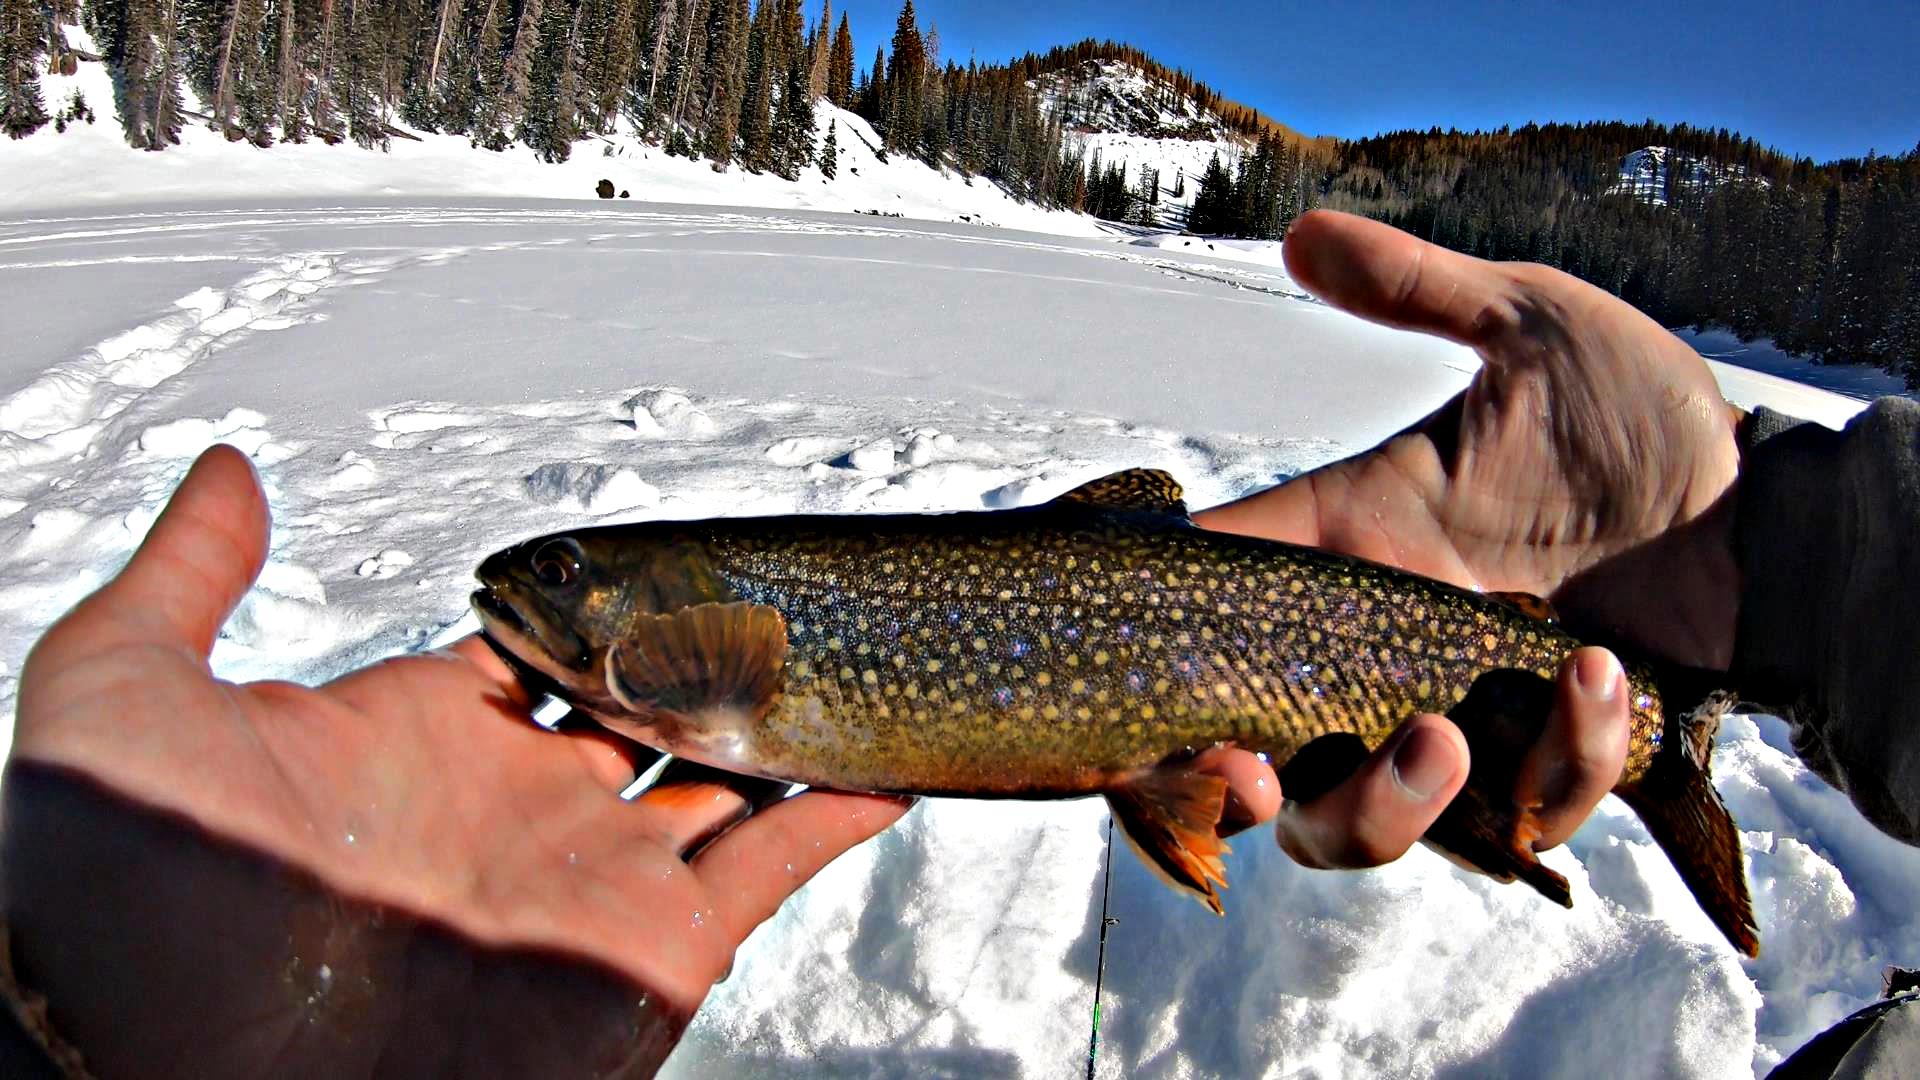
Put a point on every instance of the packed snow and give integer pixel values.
(425, 378)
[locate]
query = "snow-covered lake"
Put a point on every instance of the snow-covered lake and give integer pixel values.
(422, 382)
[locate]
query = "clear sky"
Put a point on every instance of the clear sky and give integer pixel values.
(1820, 78)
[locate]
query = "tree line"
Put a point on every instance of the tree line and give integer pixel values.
(1823, 259)
(732, 81)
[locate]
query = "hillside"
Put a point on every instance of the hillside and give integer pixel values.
(1656, 174)
(90, 164)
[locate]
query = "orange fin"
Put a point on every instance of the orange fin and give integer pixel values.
(1528, 604)
(1169, 816)
(1132, 489)
(708, 656)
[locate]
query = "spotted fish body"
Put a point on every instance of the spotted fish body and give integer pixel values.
(1091, 645)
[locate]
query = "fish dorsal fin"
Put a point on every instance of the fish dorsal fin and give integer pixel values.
(1132, 489)
(697, 659)
(1170, 815)
(1528, 604)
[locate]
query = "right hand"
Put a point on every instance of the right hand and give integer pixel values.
(1590, 461)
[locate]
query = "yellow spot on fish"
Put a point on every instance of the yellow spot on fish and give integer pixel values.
(1083, 713)
(1051, 712)
(1100, 656)
(933, 667)
(1044, 678)
(1135, 728)
(846, 674)
(979, 644)
(1223, 690)
(1147, 712)
(870, 677)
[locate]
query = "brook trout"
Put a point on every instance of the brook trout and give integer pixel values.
(1091, 645)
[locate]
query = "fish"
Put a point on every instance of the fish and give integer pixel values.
(1091, 645)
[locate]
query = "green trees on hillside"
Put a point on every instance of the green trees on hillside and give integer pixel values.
(734, 80)
(23, 41)
(1824, 259)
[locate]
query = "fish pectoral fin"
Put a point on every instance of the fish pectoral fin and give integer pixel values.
(1529, 604)
(1132, 489)
(701, 658)
(1169, 816)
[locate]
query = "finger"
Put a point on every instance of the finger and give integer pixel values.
(1288, 513)
(694, 803)
(614, 761)
(754, 868)
(197, 561)
(1579, 756)
(1387, 276)
(1383, 808)
(1253, 793)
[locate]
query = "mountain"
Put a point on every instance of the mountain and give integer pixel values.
(1652, 173)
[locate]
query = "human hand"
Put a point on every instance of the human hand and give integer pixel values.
(1589, 462)
(397, 868)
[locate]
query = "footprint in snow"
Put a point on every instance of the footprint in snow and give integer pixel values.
(668, 414)
(589, 489)
(384, 565)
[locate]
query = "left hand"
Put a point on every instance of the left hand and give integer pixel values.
(398, 867)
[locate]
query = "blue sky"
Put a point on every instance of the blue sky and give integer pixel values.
(1821, 79)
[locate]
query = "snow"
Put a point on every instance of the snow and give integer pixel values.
(423, 379)
(1644, 172)
(1115, 108)
(91, 165)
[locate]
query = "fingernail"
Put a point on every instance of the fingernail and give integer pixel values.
(1597, 674)
(1422, 764)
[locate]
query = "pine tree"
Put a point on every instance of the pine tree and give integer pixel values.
(150, 77)
(22, 41)
(550, 119)
(840, 67)
(756, 115)
(794, 126)
(365, 100)
(517, 85)
(726, 77)
(490, 118)
(906, 75)
(830, 152)
(820, 53)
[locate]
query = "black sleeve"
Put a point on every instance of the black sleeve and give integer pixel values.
(1828, 542)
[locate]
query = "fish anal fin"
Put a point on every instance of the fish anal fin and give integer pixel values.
(1501, 716)
(1538, 607)
(706, 657)
(1170, 815)
(1132, 489)
(1491, 835)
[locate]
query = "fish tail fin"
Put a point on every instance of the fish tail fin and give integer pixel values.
(1676, 800)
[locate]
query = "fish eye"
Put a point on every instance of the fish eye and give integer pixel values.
(556, 563)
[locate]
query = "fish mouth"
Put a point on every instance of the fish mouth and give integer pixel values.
(533, 645)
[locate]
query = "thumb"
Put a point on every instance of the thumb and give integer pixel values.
(197, 561)
(1387, 276)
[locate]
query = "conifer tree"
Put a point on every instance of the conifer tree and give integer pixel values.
(830, 151)
(365, 97)
(840, 67)
(873, 98)
(22, 42)
(756, 116)
(906, 75)
(150, 84)
(820, 53)
(549, 121)
(726, 77)
(490, 119)
(517, 85)
(794, 125)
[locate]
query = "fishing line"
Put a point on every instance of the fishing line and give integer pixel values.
(1100, 970)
